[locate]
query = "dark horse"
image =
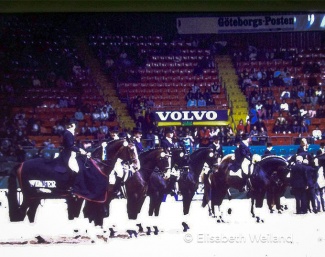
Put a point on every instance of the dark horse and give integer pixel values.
(49, 179)
(190, 168)
(153, 162)
(265, 172)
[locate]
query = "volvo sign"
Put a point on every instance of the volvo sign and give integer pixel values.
(186, 116)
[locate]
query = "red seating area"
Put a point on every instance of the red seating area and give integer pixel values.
(310, 56)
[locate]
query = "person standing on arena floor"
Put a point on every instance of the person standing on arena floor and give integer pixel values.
(312, 174)
(303, 148)
(269, 147)
(298, 183)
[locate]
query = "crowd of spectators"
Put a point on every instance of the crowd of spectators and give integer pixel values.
(288, 95)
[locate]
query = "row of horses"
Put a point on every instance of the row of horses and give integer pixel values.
(269, 178)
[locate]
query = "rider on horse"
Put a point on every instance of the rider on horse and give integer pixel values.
(217, 148)
(137, 134)
(70, 150)
(167, 143)
(243, 157)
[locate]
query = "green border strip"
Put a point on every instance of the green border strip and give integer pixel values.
(15, 6)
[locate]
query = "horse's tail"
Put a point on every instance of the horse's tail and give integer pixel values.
(14, 210)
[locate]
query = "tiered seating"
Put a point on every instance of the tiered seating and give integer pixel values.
(53, 55)
(168, 74)
(310, 56)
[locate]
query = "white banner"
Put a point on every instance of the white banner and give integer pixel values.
(250, 24)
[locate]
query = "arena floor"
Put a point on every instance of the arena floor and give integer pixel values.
(280, 235)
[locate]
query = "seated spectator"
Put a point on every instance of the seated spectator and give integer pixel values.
(58, 128)
(316, 134)
(269, 94)
(284, 106)
(112, 115)
(254, 135)
(294, 93)
(26, 142)
(281, 119)
(247, 127)
(79, 116)
(240, 126)
(275, 106)
(302, 111)
(48, 144)
(320, 112)
(318, 92)
(93, 129)
(263, 136)
(201, 102)
(258, 106)
(247, 82)
(215, 88)
(36, 129)
(301, 94)
(63, 102)
(189, 95)
(230, 136)
(312, 112)
(285, 94)
(210, 102)
(206, 94)
(287, 128)
(104, 115)
(85, 130)
(287, 79)
(95, 116)
(263, 82)
(191, 103)
(303, 127)
(296, 126)
(255, 99)
(308, 94)
(314, 99)
(294, 108)
(276, 127)
(278, 81)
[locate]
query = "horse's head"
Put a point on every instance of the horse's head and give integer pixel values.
(200, 157)
(155, 158)
(109, 152)
(179, 157)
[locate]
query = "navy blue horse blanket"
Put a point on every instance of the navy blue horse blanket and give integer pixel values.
(50, 179)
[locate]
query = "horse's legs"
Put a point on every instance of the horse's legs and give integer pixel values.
(31, 212)
(270, 197)
(74, 207)
(252, 207)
